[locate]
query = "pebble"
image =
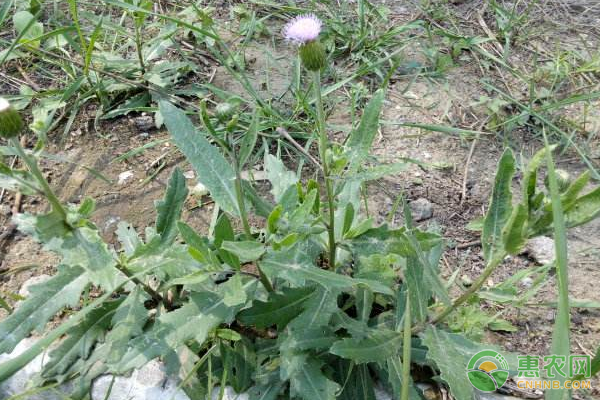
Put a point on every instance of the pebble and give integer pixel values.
(541, 249)
(421, 209)
(144, 122)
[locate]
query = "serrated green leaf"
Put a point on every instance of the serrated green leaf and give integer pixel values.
(46, 299)
(278, 310)
(212, 168)
(359, 383)
(80, 339)
(246, 251)
(249, 140)
(280, 177)
(361, 139)
(375, 346)
(128, 322)
(318, 309)
(241, 360)
(265, 392)
(309, 383)
(364, 302)
(394, 377)
(292, 265)
(15, 180)
(233, 292)
(584, 209)
(129, 238)
(169, 208)
(194, 320)
(451, 353)
(514, 234)
(500, 208)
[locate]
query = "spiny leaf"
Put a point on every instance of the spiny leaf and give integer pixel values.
(213, 170)
(359, 383)
(46, 299)
(449, 350)
(280, 177)
(361, 139)
(169, 208)
(246, 251)
(80, 340)
(128, 322)
(278, 310)
(375, 346)
(500, 208)
(393, 369)
(194, 320)
(514, 234)
(318, 309)
(309, 383)
(585, 209)
(296, 268)
(129, 238)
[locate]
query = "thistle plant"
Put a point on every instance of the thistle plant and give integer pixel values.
(304, 31)
(11, 125)
(256, 310)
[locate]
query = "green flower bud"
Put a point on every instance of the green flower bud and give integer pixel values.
(11, 123)
(562, 178)
(313, 55)
(224, 111)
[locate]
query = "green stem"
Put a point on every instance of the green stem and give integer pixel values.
(138, 45)
(487, 272)
(241, 203)
(406, 350)
(239, 192)
(37, 174)
(323, 146)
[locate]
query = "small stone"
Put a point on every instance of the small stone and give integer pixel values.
(189, 174)
(541, 249)
(36, 280)
(144, 122)
(199, 190)
(421, 209)
(527, 282)
(125, 176)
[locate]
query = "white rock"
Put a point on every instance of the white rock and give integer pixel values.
(421, 209)
(189, 174)
(35, 280)
(541, 249)
(125, 176)
(199, 190)
(527, 282)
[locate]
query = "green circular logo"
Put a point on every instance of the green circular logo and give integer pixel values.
(487, 370)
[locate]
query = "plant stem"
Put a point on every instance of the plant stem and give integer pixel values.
(37, 174)
(239, 192)
(323, 147)
(241, 203)
(489, 269)
(138, 45)
(406, 350)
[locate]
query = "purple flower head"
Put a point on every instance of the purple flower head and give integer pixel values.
(303, 29)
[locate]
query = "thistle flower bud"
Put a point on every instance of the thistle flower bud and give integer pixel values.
(313, 55)
(11, 123)
(225, 110)
(304, 31)
(562, 178)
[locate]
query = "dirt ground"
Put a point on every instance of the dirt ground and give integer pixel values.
(457, 198)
